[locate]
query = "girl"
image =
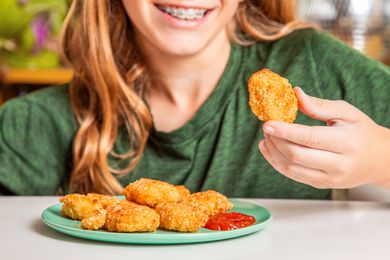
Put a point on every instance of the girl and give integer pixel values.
(160, 91)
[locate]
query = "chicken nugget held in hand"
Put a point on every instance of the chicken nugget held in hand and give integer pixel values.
(271, 97)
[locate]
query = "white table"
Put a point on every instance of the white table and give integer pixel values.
(299, 230)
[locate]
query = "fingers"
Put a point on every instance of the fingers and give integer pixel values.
(313, 177)
(304, 156)
(318, 137)
(325, 110)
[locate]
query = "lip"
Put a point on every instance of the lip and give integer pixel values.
(183, 24)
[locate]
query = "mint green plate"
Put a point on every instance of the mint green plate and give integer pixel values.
(53, 218)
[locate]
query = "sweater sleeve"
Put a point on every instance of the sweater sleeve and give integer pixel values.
(33, 146)
(349, 75)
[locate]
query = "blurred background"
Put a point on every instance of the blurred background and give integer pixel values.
(29, 29)
(28, 48)
(363, 24)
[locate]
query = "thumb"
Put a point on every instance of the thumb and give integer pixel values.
(324, 109)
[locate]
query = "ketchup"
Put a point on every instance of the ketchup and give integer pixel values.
(229, 221)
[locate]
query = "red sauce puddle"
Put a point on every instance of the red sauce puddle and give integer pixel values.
(229, 221)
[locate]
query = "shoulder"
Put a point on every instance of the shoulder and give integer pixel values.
(51, 100)
(306, 37)
(319, 50)
(310, 42)
(43, 111)
(303, 40)
(319, 45)
(295, 47)
(331, 54)
(299, 37)
(36, 132)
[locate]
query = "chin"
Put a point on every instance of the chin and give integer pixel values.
(184, 44)
(183, 49)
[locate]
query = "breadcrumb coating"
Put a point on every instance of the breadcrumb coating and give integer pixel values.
(211, 202)
(181, 217)
(184, 192)
(94, 221)
(78, 206)
(150, 192)
(104, 200)
(271, 97)
(130, 217)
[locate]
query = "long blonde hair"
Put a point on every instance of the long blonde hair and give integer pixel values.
(106, 92)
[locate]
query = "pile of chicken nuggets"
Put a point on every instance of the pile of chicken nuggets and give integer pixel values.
(149, 205)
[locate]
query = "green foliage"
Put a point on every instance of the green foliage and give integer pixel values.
(13, 17)
(22, 44)
(20, 59)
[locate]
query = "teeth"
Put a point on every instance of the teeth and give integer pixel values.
(183, 14)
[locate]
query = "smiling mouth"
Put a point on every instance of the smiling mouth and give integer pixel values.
(185, 14)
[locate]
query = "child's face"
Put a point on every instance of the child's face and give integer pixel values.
(179, 27)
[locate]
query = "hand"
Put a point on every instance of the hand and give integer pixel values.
(350, 151)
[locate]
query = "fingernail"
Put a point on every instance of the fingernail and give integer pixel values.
(269, 129)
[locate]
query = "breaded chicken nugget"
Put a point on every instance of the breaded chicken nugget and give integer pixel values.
(130, 217)
(151, 192)
(95, 220)
(104, 200)
(271, 97)
(77, 206)
(184, 192)
(210, 201)
(181, 217)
